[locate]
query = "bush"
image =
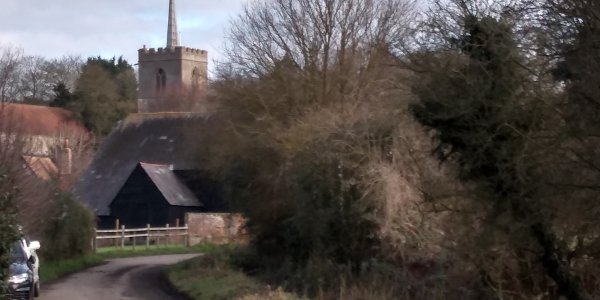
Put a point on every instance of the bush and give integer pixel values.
(69, 231)
(8, 230)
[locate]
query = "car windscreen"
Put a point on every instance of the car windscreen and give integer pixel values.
(17, 253)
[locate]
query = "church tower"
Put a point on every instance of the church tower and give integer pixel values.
(167, 74)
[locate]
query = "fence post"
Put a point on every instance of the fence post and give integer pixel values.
(167, 238)
(186, 236)
(122, 236)
(117, 231)
(94, 241)
(177, 238)
(147, 236)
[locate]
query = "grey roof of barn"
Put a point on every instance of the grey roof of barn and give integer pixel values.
(175, 192)
(157, 138)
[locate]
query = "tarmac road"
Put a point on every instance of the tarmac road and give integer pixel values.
(125, 278)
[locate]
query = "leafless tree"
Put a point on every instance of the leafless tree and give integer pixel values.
(330, 43)
(9, 62)
(65, 69)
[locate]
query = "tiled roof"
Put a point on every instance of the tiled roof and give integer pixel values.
(175, 192)
(39, 120)
(151, 138)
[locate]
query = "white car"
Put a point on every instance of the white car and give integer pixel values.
(30, 248)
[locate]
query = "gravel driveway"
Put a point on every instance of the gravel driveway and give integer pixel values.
(126, 278)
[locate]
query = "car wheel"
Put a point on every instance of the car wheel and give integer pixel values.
(36, 289)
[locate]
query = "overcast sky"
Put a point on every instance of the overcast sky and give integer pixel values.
(53, 28)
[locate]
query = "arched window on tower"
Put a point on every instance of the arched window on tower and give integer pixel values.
(161, 80)
(196, 77)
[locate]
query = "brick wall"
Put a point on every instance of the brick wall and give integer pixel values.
(216, 228)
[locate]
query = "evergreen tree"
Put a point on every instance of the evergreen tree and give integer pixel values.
(105, 93)
(482, 116)
(62, 96)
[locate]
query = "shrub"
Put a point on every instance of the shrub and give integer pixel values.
(70, 229)
(8, 228)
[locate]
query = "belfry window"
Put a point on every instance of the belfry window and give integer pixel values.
(196, 78)
(161, 80)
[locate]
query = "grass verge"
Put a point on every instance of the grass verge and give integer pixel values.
(52, 270)
(213, 277)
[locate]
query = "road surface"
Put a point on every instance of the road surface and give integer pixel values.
(125, 278)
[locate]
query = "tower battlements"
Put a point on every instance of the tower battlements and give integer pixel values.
(169, 53)
(165, 73)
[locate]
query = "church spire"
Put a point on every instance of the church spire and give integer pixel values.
(172, 34)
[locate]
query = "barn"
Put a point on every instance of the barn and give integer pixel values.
(147, 172)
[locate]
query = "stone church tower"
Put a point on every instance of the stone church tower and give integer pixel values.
(166, 75)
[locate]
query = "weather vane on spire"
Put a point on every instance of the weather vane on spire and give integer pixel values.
(172, 33)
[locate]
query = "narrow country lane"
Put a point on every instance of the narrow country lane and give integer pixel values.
(126, 278)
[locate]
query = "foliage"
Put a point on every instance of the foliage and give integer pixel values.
(62, 96)
(488, 119)
(104, 94)
(333, 174)
(213, 276)
(302, 125)
(31, 79)
(70, 229)
(8, 230)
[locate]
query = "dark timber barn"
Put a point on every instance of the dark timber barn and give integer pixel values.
(146, 172)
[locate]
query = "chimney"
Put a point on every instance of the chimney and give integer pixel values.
(65, 160)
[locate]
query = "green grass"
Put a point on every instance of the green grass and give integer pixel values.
(52, 270)
(118, 252)
(212, 277)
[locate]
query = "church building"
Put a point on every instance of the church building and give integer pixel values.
(169, 75)
(148, 171)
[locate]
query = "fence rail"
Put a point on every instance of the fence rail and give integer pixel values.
(121, 235)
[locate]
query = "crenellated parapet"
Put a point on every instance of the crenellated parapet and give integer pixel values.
(170, 53)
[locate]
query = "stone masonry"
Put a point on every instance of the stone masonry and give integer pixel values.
(170, 70)
(215, 228)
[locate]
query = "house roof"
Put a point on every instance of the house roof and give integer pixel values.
(42, 167)
(40, 120)
(150, 138)
(175, 192)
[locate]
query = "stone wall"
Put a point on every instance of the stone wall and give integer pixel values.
(178, 64)
(216, 228)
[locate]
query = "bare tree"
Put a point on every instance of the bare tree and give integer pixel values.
(330, 43)
(35, 81)
(65, 69)
(9, 62)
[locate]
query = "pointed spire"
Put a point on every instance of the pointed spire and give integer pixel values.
(172, 34)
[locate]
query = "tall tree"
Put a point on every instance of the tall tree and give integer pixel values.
(483, 115)
(62, 96)
(105, 93)
(303, 91)
(9, 63)
(35, 80)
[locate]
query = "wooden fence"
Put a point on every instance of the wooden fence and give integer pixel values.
(148, 235)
